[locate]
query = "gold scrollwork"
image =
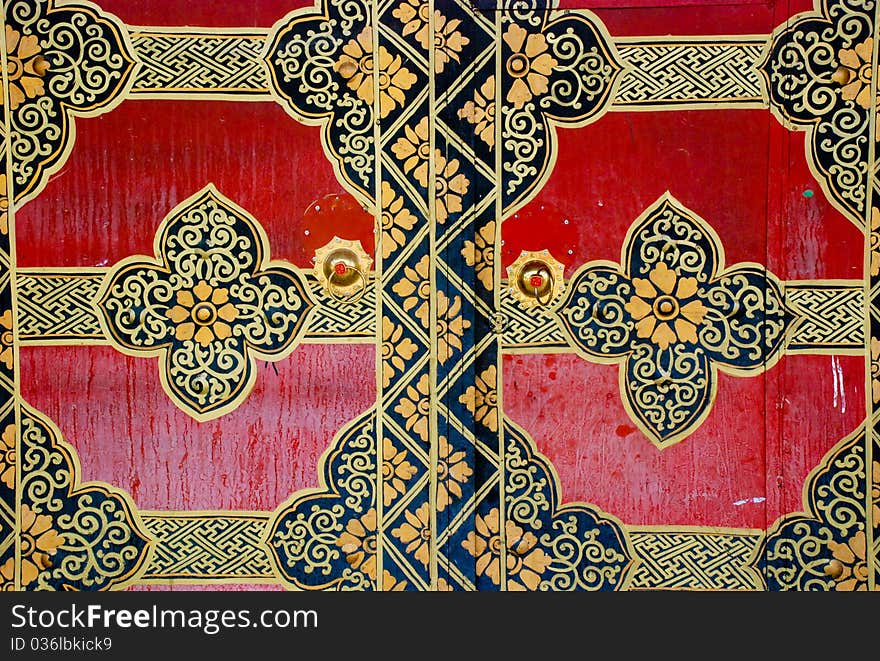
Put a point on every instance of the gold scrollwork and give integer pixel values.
(74, 536)
(209, 303)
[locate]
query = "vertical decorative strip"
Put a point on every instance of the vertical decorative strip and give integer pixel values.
(872, 334)
(380, 355)
(466, 212)
(498, 318)
(402, 83)
(432, 212)
(10, 524)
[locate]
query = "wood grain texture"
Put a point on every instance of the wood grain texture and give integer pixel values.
(127, 432)
(731, 472)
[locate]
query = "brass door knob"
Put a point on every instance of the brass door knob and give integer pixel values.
(535, 279)
(341, 266)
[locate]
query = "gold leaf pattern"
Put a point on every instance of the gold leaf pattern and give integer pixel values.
(358, 542)
(452, 472)
(450, 326)
(525, 563)
(396, 350)
(39, 542)
(851, 563)
(6, 340)
(448, 41)
(7, 456)
(450, 186)
(855, 73)
(414, 408)
(481, 112)
(664, 302)
(413, 150)
(414, 14)
(4, 206)
(396, 471)
(204, 308)
(395, 219)
(530, 65)
(415, 289)
(357, 66)
(481, 254)
(26, 68)
(481, 399)
(415, 532)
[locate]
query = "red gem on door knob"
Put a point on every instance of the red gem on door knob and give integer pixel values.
(536, 281)
(340, 268)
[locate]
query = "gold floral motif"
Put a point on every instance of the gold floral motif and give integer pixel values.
(855, 73)
(26, 68)
(4, 206)
(849, 567)
(481, 253)
(414, 14)
(396, 471)
(452, 472)
(357, 66)
(450, 186)
(414, 408)
(443, 585)
(481, 112)
(7, 457)
(415, 290)
(395, 219)
(530, 65)
(6, 339)
(413, 151)
(39, 541)
(448, 41)
(657, 312)
(416, 533)
(391, 584)
(359, 543)
(203, 308)
(481, 398)
(450, 326)
(525, 563)
(396, 350)
(7, 576)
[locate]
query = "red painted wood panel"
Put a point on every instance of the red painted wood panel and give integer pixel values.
(214, 13)
(730, 472)
(748, 177)
(127, 431)
(107, 202)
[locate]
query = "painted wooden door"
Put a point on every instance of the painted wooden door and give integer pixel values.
(439, 295)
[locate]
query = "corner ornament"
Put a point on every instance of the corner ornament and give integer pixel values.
(327, 538)
(823, 548)
(62, 62)
(322, 71)
(74, 536)
(208, 304)
(817, 73)
(557, 69)
(671, 314)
